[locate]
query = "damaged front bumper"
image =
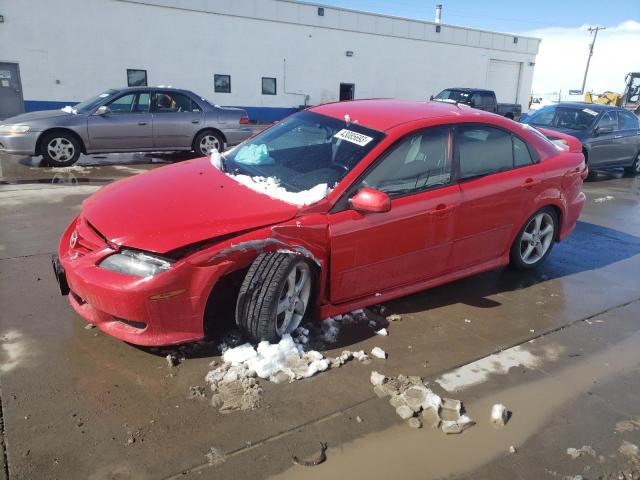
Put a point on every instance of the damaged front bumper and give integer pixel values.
(164, 309)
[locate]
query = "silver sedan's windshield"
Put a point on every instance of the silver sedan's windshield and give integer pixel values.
(93, 102)
(304, 150)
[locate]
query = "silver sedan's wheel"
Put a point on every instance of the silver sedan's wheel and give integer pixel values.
(537, 237)
(207, 142)
(293, 300)
(60, 149)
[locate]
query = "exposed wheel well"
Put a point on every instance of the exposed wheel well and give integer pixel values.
(59, 130)
(208, 129)
(558, 212)
(509, 115)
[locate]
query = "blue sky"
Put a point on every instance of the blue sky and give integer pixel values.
(505, 15)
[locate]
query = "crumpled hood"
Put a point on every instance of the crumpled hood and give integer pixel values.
(31, 116)
(178, 205)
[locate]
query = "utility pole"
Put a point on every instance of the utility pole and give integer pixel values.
(595, 35)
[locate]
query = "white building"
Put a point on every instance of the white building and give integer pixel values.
(58, 52)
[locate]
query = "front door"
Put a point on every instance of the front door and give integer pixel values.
(127, 127)
(176, 120)
(11, 101)
(604, 147)
(374, 252)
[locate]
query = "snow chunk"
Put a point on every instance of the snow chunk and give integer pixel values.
(377, 378)
(604, 199)
(239, 355)
(382, 332)
(499, 415)
(270, 186)
(330, 330)
(379, 353)
(69, 109)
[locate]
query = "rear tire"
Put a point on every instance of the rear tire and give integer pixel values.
(275, 296)
(206, 141)
(59, 149)
(635, 168)
(535, 240)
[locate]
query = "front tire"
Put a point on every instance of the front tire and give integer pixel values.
(60, 149)
(534, 241)
(274, 297)
(205, 142)
(635, 168)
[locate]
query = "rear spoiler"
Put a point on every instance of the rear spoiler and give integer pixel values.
(562, 140)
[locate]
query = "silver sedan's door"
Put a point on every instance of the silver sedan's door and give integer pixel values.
(176, 120)
(126, 127)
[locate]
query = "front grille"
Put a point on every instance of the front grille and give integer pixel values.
(138, 325)
(77, 297)
(88, 238)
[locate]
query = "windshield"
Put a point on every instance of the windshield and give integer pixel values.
(453, 95)
(573, 118)
(93, 102)
(303, 151)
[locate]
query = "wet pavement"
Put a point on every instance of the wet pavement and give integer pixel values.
(79, 404)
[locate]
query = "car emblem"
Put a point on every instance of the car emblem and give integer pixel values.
(74, 239)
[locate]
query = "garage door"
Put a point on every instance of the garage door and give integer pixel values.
(503, 77)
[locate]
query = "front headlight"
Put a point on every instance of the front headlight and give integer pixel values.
(14, 128)
(135, 263)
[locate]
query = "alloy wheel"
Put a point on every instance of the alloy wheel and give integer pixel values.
(208, 143)
(60, 149)
(537, 238)
(293, 299)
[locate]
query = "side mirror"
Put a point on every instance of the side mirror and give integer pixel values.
(431, 97)
(103, 110)
(369, 200)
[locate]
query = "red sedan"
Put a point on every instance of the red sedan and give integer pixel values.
(335, 208)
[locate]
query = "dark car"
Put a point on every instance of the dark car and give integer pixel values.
(610, 135)
(481, 99)
(137, 119)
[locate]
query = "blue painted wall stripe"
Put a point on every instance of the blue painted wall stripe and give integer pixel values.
(259, 114)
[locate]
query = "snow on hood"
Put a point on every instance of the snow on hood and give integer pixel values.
(69, 109)
(271, 187)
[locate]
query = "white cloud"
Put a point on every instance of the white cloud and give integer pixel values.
(563, 56)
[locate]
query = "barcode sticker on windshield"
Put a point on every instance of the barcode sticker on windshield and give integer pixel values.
(353, 137)
(589, 111)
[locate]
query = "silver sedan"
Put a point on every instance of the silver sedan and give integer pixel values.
(135, 119)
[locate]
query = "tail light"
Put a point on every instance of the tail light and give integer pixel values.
(244, 120)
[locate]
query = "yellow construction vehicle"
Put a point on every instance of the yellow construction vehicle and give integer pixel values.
(629, 99)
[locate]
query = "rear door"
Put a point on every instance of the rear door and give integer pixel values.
(374, 252)
(498, 177)
(628, 136)
(176, 119)
(127, 127)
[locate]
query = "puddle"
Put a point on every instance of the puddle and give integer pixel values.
(426, 451)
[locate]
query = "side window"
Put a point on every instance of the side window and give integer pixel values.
(123, 104)
(521, 154)
(488, 100)
(173, 102)
(483, 150)
(418, 162)
(476, 100)
(608, 120)
(628, 121)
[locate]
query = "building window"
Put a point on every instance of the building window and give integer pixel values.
(320, 12)
(222, 83)
(268, 86)
(136, 78)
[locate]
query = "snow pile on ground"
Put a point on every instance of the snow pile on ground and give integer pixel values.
(604, 199)
(270, 186)
(69, 109)
(416, 403)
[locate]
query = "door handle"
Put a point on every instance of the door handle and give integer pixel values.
(441, 210)
(195, 121)
(531, 182)
(142, 123)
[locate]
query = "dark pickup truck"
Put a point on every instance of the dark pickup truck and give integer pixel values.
(480, 99)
